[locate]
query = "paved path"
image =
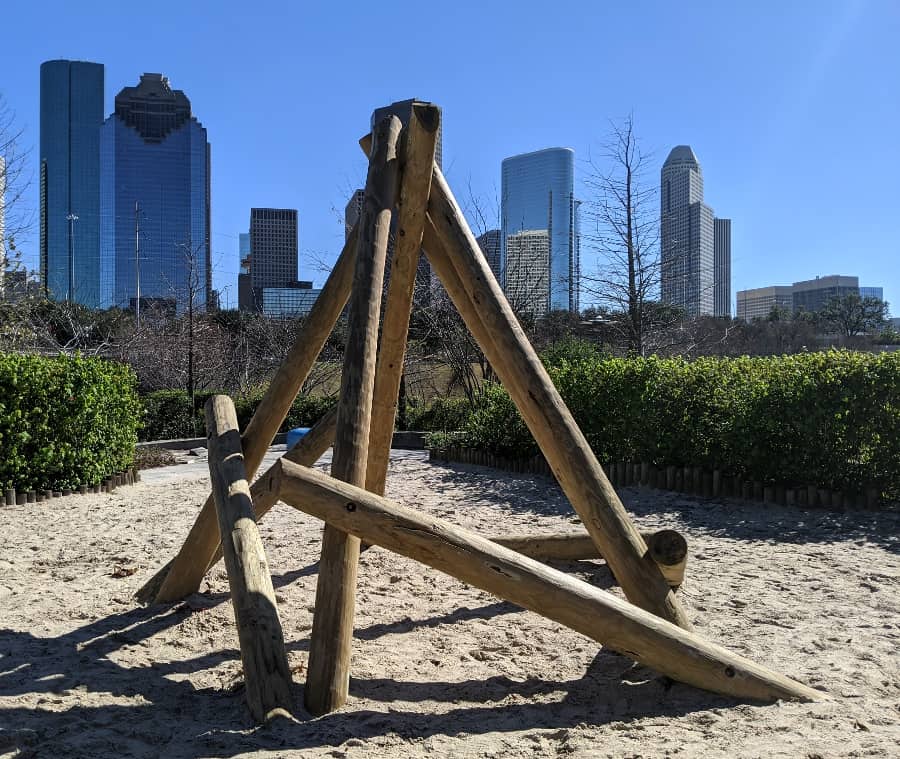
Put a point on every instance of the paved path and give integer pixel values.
(197, 467)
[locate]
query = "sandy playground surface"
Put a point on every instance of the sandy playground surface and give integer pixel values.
(440, 668)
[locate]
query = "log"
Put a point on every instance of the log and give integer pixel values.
(416, 160)
(611, 621)
(183, 575)
(468, 279)
(328, 678)
(306, 453)
(668, 549)
(267, 677)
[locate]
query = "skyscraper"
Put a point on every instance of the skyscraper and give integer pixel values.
(489, 242)
(693, 275)
(538, 195)
(273, 246)
(722, 267)
(71, 117)
(155, 192)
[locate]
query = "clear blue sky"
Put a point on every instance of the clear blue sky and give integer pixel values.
(793, 108)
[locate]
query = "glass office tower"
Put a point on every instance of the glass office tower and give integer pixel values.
(71, 117)
(155, 174)
(538, 196)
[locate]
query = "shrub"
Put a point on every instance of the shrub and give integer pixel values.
(64, 421)
(825, 419)
(441, 415)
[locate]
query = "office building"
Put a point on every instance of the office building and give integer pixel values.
(69, 179)
(288, 302)
(528, 271)
(273, 247)
(489, 242)
(811, 295)
(155, 195)
(538, 197)
(758, 303)
(722, 267)
(695, 254)
(872, 292)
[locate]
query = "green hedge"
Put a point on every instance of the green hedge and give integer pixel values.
(441, 415)
(64, 421)
(827, 419)
(168, 414)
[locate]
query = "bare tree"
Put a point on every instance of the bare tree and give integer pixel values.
(15, 218)
(625, 235)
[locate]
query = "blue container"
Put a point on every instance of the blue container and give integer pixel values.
(294, 436)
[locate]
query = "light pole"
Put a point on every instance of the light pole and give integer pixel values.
(70, 294)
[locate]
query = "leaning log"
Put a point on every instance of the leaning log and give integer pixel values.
(667, 548)
(468, 280)
(328, 678)
(267, 677)
(611, 621)
(185, 572)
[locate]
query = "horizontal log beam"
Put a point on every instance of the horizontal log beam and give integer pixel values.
(613, 622)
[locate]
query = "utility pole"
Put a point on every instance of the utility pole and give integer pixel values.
(137, 264)
(70, 292)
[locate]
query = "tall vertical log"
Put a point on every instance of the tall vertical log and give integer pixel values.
(416, 161)
(332, 633)
(184, 574)
(466, 275)
(267, 677)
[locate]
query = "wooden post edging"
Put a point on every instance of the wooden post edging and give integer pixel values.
(183, 575)
(611, 621)
(668, 549)
(267, 677)
(455, 256)
(328, 678)
(416, 159)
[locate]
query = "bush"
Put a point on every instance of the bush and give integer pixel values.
(441, 415)
(825, 419)
(64, 421)
(168, 415)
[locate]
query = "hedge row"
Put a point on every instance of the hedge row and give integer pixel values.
(168, 414)
(64, 421)
(825, 419)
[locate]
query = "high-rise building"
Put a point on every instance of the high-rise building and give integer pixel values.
(71, 117)
(693, 271)
(155, 193)
(538, 196)
(722, 267)
(273, 246)
(811, 295)
(489, 242)
(759, 302)
(872, 292)
(528, 271)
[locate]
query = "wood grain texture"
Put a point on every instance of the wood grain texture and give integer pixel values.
(183, 575)
(267, 677)
(667, 547)
(416, 161)
(611, 621)
(328, 677)
(460, 265)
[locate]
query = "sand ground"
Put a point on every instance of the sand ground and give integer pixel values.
(440, 668)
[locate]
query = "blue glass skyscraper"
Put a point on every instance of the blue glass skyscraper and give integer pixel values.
(155, 175)
(71, 117)
(539, 228)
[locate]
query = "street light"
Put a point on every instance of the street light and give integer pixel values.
(70, 294)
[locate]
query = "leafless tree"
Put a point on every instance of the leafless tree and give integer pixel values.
(16, 219)
(623, 230)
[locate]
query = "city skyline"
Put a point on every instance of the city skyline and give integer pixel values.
(761, 125)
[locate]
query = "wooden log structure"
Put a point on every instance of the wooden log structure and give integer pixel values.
(328, 677)
(416, 160)
(669, 649)
(460, 265)
(267, 677)
(183, 575)
(668, 549)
